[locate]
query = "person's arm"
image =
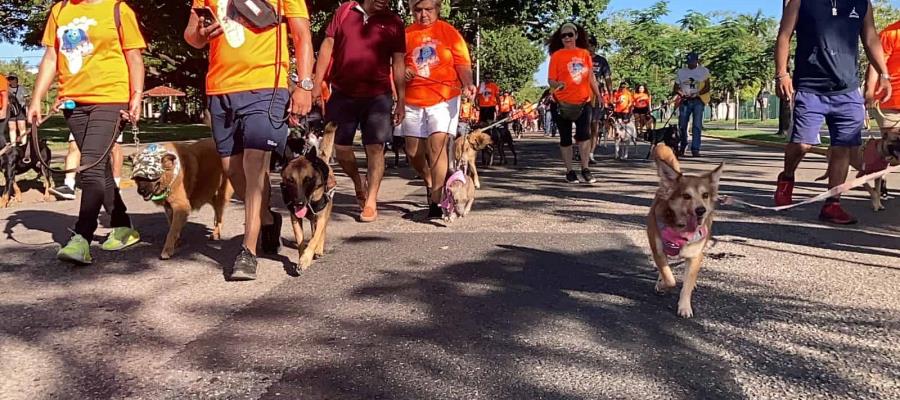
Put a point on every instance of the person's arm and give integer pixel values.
(324, 60)
(198, 36)
(706, 86)
(399, 64)
(135, 61)
(872, 44)
(45, 77)
(464, 72)
(301, 37)
(595, 90)
(784, 85)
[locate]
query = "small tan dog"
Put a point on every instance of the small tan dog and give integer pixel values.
(466, 148)
(183, 177)
(873, 156)
(680, 222)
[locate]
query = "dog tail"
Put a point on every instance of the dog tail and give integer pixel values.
(665, 154)
(479, 140)
(327, 145)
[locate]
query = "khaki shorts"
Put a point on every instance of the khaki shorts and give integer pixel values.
(888, 120)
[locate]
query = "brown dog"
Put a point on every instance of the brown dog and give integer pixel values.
(873, 156)
(680, 222)
(183, 177)
(466, 148)
(307, 185)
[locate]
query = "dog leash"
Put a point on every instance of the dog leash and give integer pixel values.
(35, 137)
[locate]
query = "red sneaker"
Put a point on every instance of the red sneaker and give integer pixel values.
(833, 213)
(784, 191)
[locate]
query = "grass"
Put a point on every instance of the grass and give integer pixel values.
(753, 134)
(57, 132)
(744, 123)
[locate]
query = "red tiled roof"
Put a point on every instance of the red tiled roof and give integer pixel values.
(163, 91)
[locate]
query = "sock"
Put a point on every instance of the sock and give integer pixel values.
(70, 182)
(118, 180)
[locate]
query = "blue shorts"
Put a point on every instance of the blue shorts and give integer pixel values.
(844, 114)
(241, 121)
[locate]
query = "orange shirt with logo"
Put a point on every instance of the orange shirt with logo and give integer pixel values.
(572, 67)
(890, 41)
(642, 100)
(90, 60)
(241, 59)
(488, 94)
(434, 52)
(624, 100)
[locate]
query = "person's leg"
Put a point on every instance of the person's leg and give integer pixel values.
(565, 140)
(697, 108)
(809, 114)
(683, 116)
(73, 159)
(116, 162)
(11, 126)
(846, 119)
(583, 136)
(416, 149)
(439, 159)
(256, 195)
(376, 131)
(344, 112)
(23, 132)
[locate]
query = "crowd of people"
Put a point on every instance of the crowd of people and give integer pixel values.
(372, 73)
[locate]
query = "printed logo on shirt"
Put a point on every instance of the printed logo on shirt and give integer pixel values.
(233, 31)
(74, 42)
(425, 56)
(576, 69)
(854, 14)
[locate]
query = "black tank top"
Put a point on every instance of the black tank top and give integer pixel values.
(827, 54)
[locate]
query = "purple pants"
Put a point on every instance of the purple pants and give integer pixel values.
(844, 114)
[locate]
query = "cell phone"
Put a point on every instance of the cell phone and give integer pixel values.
(206, 15)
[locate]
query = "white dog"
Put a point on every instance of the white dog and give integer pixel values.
(624, 133)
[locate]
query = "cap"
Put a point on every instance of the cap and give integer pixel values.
(693, 57)
(12, 76)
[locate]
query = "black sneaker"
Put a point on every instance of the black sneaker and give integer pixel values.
(587, 177)
(695, 153)
(571, 177)
(271, 235)
(244, 268)
(63, 192)
(435, 211)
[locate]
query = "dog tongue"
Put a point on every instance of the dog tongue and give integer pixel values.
(300, 213)
(691, 224)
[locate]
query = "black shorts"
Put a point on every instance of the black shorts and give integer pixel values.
(241, 121)
(372, 115)
(486, 114)
(642, 110)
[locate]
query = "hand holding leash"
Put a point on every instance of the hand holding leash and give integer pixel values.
(301, 104)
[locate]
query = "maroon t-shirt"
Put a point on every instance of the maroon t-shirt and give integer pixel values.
(363, 47)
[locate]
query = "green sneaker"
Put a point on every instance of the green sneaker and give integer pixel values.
(77, 251)
(121, 238)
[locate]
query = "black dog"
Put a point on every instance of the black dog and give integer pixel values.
(500, 136)
(667, 136)
(18, 160)
(397, 144)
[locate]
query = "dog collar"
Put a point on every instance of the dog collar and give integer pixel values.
(675, 240)
(162, 196)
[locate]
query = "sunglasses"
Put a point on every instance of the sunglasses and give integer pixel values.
(568, 35)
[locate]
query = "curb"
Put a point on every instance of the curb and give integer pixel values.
(762, 143)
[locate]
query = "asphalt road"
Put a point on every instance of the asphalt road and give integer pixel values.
(544, 292)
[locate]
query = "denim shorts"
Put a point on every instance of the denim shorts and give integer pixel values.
(242, 120)
(844, 114)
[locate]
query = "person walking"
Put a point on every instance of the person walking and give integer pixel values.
(247, 85)
(438, 72)
(603, 75)
(487, 99)
(4, 110)
(364, 44)
(825, 88)
(106, 84)
(692, 85)
(16, 102)
(574, 86)
(889, 118)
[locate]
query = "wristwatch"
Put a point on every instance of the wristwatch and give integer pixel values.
(307, 84)
(885, 77)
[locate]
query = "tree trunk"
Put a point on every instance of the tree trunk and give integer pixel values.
(727, 105)
(785, 117)
(737, 108)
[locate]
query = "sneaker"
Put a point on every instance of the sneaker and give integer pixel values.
(592, 160)
(571, 177)
(832, 212)
(63, 192)
(435, 211)
(587, 177)
(681, 152)
(784, 190)
(77, 251)
(121, 238)
(271, 235)
(695, 153)
(244, 267)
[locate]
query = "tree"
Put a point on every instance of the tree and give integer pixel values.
(510, 56)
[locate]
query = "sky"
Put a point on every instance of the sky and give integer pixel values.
(677, 8)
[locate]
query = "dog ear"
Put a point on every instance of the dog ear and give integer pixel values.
(667, 174)
(716, 174)
(168, 162)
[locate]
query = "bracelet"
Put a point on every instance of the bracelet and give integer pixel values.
(779, 77)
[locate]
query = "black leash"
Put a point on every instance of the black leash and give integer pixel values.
(35, 138)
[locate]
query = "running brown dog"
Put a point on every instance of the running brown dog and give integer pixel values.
(307, 185)
(680, 222)
(183, 177)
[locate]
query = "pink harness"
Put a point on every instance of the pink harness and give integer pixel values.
(447, 203)
(674, 241)
(872, 159)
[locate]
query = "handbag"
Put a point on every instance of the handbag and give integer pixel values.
(254, 14)
(570, 111)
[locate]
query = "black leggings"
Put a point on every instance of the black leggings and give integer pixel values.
(94, 127)
(564, 126)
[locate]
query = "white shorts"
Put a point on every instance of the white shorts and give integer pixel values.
(118, 139)
(421, 122)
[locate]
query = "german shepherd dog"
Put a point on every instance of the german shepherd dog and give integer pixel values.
(307, 186)
(17, 160)
(680, 222)
(182, 177)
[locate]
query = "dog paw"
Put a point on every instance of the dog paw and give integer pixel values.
(663, 287)
(306, 260)
(166, 254)
(685, 310)
(215, 236)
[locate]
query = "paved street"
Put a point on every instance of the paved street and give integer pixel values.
(544, 292)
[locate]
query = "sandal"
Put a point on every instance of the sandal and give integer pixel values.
(368, 214)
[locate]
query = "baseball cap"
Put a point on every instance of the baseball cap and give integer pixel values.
(12, 76)
(693, 57)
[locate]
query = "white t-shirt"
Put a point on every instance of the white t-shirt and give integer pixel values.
(691, 80)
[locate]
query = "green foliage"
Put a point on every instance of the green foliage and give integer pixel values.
(510, 56)
(530, 92)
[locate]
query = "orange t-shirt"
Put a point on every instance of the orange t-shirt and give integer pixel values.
(507, 103)
(890, 41)
(487, 94)
(241, 59)
(90, 60)
(572, 67)
(642, 100)
(607, 99)
(434, 52)
(4, 95)
(624, 100)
